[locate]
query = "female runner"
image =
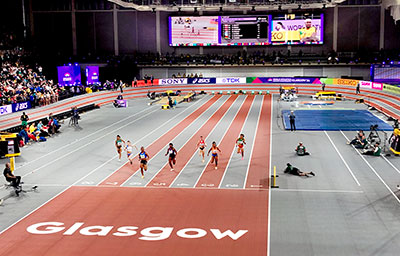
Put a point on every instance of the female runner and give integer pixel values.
(240, 142)
(118, 144)
(214, 154)
(172, 155)
(143, 158)
(201, 145)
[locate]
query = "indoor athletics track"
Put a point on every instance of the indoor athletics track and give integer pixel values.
(90, 203)
(200, 210)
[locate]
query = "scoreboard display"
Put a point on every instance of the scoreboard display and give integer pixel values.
(244, 30)
(385, 73)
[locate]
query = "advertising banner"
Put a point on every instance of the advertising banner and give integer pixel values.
(21, 106)
(92, 75)
(290, 80)
(211, 80)
(170, 81)
(349, 82)
(4, 110)
(69, 75)
(231, 80)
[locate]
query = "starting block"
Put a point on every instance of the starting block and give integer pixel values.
(165, 107)
(252, 92)
(228, 92)
(212, 92)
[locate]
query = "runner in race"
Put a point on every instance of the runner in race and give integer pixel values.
(171, 151)
(201, 145)
(143, 158)
(240, 142)
(214, 154)
(118, 144)
(129, 149)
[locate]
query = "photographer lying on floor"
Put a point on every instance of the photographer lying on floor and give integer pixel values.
(296, 171)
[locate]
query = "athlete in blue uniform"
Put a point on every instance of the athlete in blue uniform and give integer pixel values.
(143, 158)
(214, 154)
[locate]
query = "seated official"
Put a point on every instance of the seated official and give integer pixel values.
(301, 150)
(119, 97)
(15, 180)
(374, 151)
(296, 171)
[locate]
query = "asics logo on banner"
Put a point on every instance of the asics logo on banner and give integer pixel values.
(21, 106)
(201, 81)
(146, 234)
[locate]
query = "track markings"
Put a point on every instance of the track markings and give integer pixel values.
(341, 157)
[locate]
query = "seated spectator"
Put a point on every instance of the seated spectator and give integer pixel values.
(301, 150)
(296, 171)
(15, 180)
(375, 151)
(119, 97)
(357, 138)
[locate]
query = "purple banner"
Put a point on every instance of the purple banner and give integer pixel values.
(92, 75)
(69, 75)
(290, 80)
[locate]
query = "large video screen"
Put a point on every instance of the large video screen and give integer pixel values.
(69, 75)
(244, 30)
(194, 31)
(297, 29)
(219, 30)
(92, 75)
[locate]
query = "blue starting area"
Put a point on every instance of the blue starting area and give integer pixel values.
(334, 120)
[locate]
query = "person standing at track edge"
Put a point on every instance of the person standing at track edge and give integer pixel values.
(24, 119)
(240, 142)
(358, 88)
(201, 145)
(118, 144)
(214, 154)
(143, 158)
(292, 120)
(171, 151)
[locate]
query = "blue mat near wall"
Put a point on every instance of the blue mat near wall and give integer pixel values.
(334, 120)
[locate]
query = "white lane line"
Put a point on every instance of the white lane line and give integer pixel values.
(166, 164)
(390, 163)
(252, 146)
(373, 169)
(234, 149)
(237, 112)
(85, 145)
(195, 153)
(269, 176)
(147, 135)
(317, 190)
(78, 140)
(341, 157)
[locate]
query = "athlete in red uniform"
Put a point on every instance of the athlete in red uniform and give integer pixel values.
(240, 142)
(201, 145)
(214, 154)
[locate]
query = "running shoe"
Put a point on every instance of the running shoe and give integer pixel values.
(142, 176)
(313, 174)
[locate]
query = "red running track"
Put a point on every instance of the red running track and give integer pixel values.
(126, 171)
(118, 220)
(165, 176)
(211, 177)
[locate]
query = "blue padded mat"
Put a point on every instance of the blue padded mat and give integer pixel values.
(334, 120)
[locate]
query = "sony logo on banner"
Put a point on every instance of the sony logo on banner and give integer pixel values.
(173, 81)
(146, 234)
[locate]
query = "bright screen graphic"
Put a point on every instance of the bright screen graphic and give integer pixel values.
(193, 31)
(297, 29)
(385, 73)
(244, 30)
(92, 75)
(69, 75)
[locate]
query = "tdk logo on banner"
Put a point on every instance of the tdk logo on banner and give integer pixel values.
(231, 80)
(5, 110)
